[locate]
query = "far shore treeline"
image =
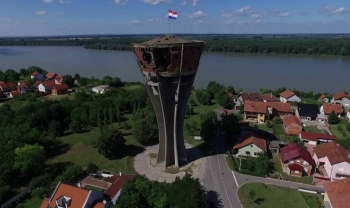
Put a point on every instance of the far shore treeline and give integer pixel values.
(274, 44)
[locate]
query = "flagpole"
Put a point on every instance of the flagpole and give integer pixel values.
(169, 23)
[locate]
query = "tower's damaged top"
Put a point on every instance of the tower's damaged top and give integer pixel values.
(168, 55)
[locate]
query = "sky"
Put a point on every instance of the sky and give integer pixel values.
(77, 17)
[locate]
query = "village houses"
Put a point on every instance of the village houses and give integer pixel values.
(289, 96)
(250, 146)
(256, 111)
(341, 98)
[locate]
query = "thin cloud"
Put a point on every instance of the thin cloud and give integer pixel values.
(276, 13)
(245, 11)
(303, 13)
(65, 2)
(40, 13)
(197, 14)
(121, 2)
(154, 2)
(190, 2)
(153, 19)
(329, 10)
(3, 19)
(47, 1)
(59, 13)
(134, 22)
(256, 16)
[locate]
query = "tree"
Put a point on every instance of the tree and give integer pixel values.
(241, 109)
(111, 144)
(192, 128)
(252, 195)
(262, 163)
(224, 100)
(68, 80)
(29, 159)
(55, 128)
(213, 88)
(230, 89)
(333, 118)
(75, 126)
(91, 168)
(145, 131)
(208, 125)
(230, 123)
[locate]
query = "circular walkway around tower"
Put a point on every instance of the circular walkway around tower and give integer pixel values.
(145, 164)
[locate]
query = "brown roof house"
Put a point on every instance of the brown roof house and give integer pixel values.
(327, 109)
(337, 194)
(59, 89)
(289, 96)
(246, 96)
(316, 138)
(292, 125)
(50, 76)
(269, 98)
(37, 76)
(249, 146)
(323, 98)
(296, 160)
(342, 98)
(8, 87)
(257, 111)
(333, 161)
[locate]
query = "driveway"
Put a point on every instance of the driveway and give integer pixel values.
(226, 183)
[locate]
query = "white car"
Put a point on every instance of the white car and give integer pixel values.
(198, 138)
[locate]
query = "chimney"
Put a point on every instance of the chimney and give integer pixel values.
(120, 173)
(79, 184)
(337, 144)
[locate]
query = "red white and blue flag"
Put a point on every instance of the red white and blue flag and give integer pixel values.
(172, 14)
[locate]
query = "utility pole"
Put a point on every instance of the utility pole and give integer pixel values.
(240, 162)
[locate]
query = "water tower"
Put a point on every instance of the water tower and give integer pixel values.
(169, 65)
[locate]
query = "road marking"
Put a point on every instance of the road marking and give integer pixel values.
(211, 170)
(234, 178)
(217, 157)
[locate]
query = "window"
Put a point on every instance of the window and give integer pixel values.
(305, 163)
(298, 161)
(247, 153)
(297, 171)
(251, 145)
(255, 153)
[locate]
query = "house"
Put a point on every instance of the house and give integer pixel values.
(14, 94)
(66, 196)
(59, 89)
(249, 146)
(22, 87)
(323, 98)
(307, 112)
(342, 98)
(348, 114)
(37, 76)
(36, 84)
(316, 138)
(327, 109)
(50, 76)
(8, 87)
(333, 160)
(296, 160)
(337, 194)
(289, 96)
(292, 125)
(257, 111)
(269, 98)
(244, 96)
(46, 87)
(100, 89)
(58, 79)
(276, 145)
(117, 183)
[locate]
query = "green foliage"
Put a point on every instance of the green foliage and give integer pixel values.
(333, 118)
(277, 120)
(230, 123)
(91, 168)
(29, 159)
(203, 97)
(192, 128)
(241, 109)
(55, 128)
(75, 126)
(269, 124)
(111, 144)
(68, 80)
(224, 100)
(208, 124)
(213, 88)
(252, 195)
(145, 129)
(230, 89)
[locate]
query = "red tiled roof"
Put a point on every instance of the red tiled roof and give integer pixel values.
(340, 95)
(50, 75)
(99, 205)
(6, 85)
(48, 83)
(287, 94)
(230, 94)
(296, 167)
(328, 108)
(295, 151)
(269, 98)
(316, 136)
(59, 78)
(60, 87)
(338, 193)
(1, 82)
(261, 107)
(334, 153)
(22, 84)
(291, 119)
(78, 195)
(117, 184)
(15, 93)
(34, 73)
(45, 203)
(250, 96)
(261, 143)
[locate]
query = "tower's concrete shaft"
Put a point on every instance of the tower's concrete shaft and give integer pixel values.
(169, 65)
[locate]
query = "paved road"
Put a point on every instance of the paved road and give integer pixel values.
(226, 182)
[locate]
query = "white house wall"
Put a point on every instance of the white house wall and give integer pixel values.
(294, 98)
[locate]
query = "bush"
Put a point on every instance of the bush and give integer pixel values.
(39, 181)
(39, 192)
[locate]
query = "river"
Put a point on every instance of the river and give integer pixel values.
(248, 71)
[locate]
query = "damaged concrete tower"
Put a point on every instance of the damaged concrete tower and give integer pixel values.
(169, 65)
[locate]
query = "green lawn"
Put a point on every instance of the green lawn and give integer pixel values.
(82, 152)
(311, 101)
(314, 130)
(131, 87)
(304, 179)
(32, 202)
(261, 127)
(276, 158)
(270, 196)
(93, 188)
(310, 199)
(338, 133)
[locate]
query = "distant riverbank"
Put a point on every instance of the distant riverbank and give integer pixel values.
(248, 71)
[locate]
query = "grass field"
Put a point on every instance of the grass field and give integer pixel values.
(310, 199)
(336, 132)
(32, 202)
(82, 152)
(93, 188)
(276, 158)
(314, 130)
(131, 87)
(261, 127)
(267, 196)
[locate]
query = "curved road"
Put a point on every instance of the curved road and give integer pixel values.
(220, 178)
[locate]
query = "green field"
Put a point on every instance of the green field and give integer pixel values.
(338, 133)
(93, 188)
(32, 202)
(314, 130)
(268, 196)
(261, 127)
(310, 199)
(82, 152)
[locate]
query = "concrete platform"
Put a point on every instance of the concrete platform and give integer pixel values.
(145, 165)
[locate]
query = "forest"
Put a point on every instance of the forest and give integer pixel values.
(256, 44)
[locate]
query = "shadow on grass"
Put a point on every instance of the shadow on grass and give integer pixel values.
(68, 133)
(133, 150)
(58, 148)
(259, 200)
(214, 199)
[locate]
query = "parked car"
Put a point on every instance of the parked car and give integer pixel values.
(199, 138)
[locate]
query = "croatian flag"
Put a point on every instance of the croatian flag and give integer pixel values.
(172, 15)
